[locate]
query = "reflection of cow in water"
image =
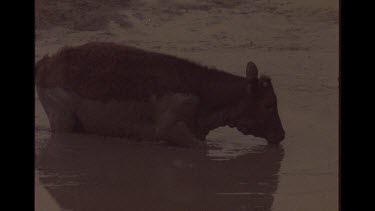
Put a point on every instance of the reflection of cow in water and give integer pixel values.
(94, 173)
(114, 90)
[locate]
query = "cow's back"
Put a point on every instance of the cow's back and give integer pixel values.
(108, 71)
(105, 71)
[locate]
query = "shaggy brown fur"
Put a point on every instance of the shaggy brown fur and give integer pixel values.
(108, 71)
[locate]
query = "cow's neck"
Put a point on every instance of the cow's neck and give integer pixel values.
(220, 96)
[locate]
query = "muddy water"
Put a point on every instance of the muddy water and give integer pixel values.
(296, 43)
(92, 173)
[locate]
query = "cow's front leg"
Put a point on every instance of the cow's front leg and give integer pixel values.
(180, 134)
(175, 120)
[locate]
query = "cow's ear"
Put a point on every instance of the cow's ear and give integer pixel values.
(251, 71)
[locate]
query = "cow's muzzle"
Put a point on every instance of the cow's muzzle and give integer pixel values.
(276, 139)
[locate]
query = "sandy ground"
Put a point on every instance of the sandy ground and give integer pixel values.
(295, 42)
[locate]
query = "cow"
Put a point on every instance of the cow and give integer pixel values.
(115, 90)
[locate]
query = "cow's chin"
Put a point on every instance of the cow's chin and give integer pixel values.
(274, 140)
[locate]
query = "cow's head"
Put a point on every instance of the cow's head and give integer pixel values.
(257, 114)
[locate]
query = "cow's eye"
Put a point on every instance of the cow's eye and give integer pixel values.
(270, 106)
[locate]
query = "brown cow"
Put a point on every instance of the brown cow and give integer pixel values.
(114, 90)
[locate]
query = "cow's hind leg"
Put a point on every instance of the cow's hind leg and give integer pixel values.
(59, 109)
